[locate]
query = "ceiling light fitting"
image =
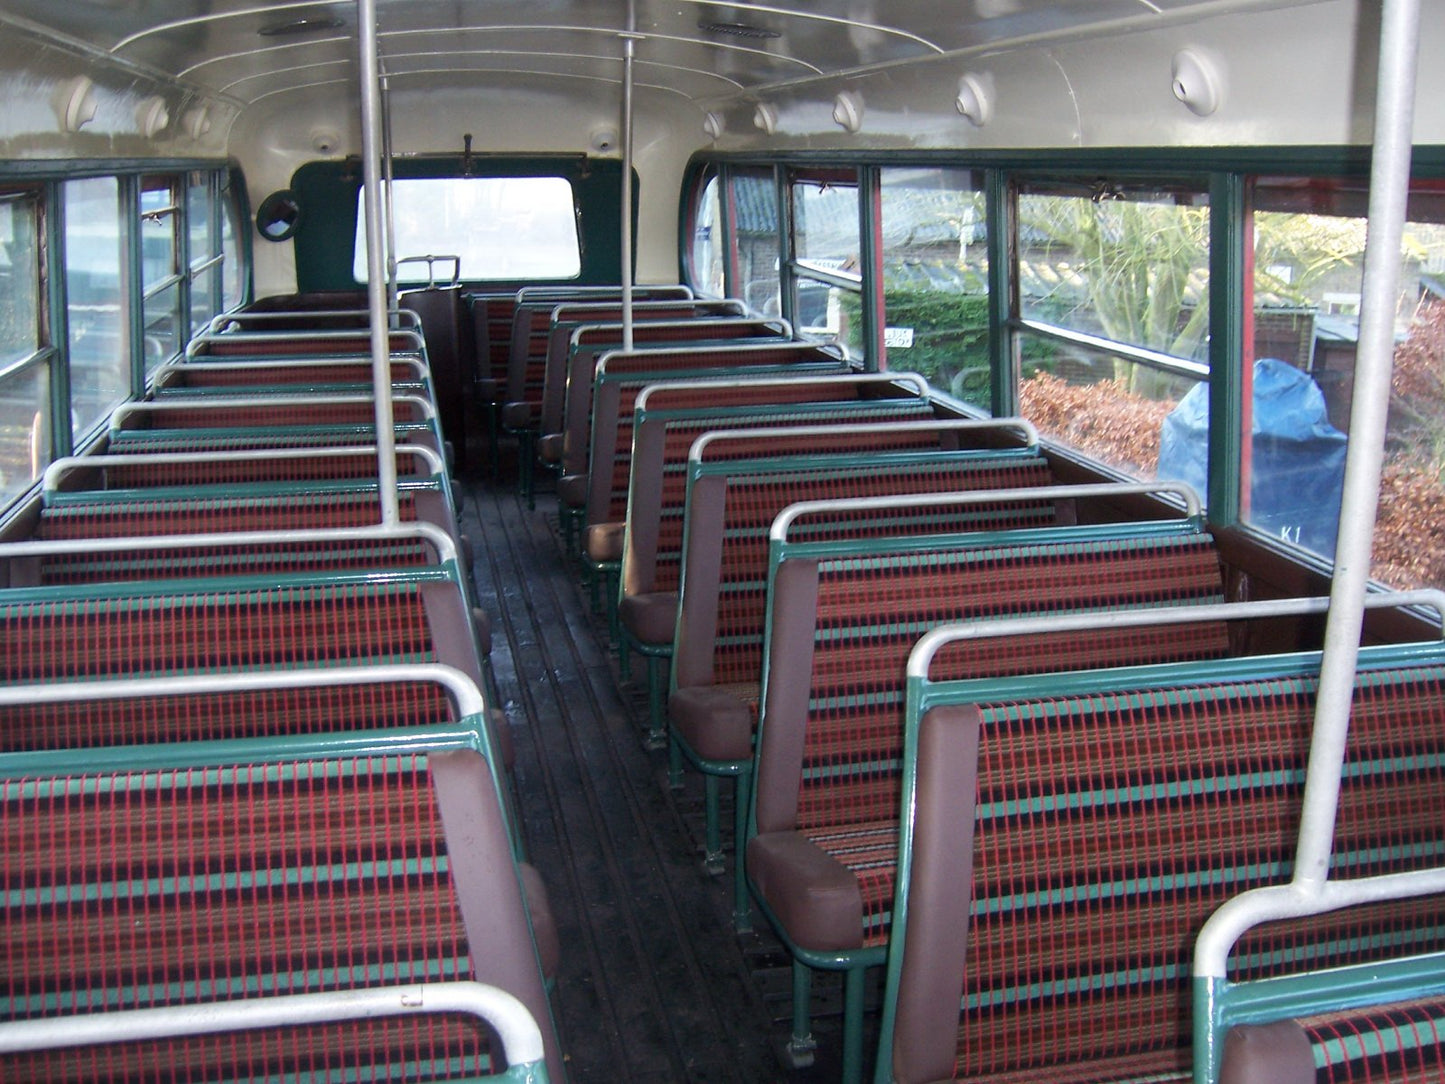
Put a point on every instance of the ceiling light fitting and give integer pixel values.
(152, 116)
(1196, 82)
(848, 110)
(75, 103)
(974, 100)
(197, 121)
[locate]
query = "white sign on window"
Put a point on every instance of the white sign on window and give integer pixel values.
(899, 338)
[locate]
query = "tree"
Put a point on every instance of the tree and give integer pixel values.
(1128, 270)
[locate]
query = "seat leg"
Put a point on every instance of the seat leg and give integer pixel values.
(610, 576)
(656, 702)
(712, 857)
(798, 1050)
(742, 905)
(593, 579)
(527, 467)
(568, 523)
(494, 443)
(674, 763)
(853, 1024)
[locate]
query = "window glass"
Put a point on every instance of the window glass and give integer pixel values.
(159, 270)
(935, 278)
(1308, 247)
(709, 248)
(19, 278)
(755, 228)
(25, 446)
(198, 219)
(202, 285)
(160, 315)
(825, 238)
(1116, 280)
(200, 251)
(825, 225)
(158, 231)
(510, 228)
(233, 282)
(1102, 417)
(99, 344)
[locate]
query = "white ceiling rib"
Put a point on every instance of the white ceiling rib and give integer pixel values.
(702, 50)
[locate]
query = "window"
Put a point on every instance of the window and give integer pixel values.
(160, 271)
(709, 248)
(511, 228)
(202, 253)
(142, 259)
(95, 302)
(1111, 327)
(827, 272)
(1308, 243)
(935, 278)
(233, 282)
(20, 311)
(24, 359)
(755, 229)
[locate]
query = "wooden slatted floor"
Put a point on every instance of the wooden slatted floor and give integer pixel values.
(654, 985)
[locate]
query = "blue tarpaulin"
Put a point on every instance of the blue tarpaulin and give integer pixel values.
(1298, 457)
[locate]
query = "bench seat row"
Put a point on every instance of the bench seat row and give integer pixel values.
(271, 788)
(782, 571)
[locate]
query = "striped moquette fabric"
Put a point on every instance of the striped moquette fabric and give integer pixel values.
(281, 413)
(573, 410)
(754, 500)
(256, 713)
(242, 345)
(249, 440)
(1110, 825)
(668, 474)
(1393, 1044)
(527, 355)
(531, 328)
(621, 377)
(205, 377)
(492, 321)
(151, 634)
(252, 470)
(135, 889)
(730, 403)
(870, 612)
(207, 516)
(252, 559)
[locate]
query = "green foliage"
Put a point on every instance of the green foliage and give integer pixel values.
(1132, 269)
(950, 338)
(1295, 253)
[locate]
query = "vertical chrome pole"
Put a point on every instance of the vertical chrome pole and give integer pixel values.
(1389, 188)
(375, 273)
(629, 43)
(389, 211)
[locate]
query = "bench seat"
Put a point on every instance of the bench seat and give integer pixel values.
(1066, 836)
(214, 872)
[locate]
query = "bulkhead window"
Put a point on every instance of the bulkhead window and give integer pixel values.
(507, 228)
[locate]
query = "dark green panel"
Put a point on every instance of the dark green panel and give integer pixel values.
(327, 192)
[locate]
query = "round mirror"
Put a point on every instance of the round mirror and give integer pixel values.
(278, 215)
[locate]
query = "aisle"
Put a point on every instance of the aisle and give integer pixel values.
(654, 985)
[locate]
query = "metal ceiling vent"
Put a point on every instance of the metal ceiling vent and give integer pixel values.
(739, 30)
